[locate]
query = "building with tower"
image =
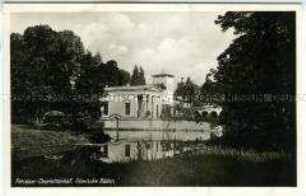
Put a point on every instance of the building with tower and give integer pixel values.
(142, 101)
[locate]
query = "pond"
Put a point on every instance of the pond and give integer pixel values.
(128, 150)
(163, 159)
(150, 145)
(85, 159)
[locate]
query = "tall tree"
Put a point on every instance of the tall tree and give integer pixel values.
(134, 77)
(141, 77)
(43, 62)
(190, 90)
(124, 78)
(260, 61)
(138, 77)
(51, 58)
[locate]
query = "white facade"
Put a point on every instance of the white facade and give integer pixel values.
(143, 101)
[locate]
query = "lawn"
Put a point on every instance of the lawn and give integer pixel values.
(30, 142)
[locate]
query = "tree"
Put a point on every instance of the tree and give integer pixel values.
(51, 58)
(43, 62)
(141, 77)
(124, 77)
(186, 91)
(111, 73)
(211, 92)
(90, 81)
(190, 90)
(134, 77)
(260, 61)
(95, 75)
(137, 77)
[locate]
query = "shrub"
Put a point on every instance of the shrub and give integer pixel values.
(54, 118)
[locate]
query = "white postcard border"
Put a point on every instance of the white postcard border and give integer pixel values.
(135, 191)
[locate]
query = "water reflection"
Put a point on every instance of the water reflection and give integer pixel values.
(126, 150)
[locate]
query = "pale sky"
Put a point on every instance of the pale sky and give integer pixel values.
(184, 44)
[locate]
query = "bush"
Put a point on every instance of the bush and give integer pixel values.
(54, 118)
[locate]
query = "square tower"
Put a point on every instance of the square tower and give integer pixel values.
(167, 80)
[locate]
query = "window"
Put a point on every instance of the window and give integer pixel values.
(127, 108)
(105, 108)
(127, 150)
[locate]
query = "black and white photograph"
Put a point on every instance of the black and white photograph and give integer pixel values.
(153, 98)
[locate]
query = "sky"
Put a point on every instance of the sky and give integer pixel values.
(184, 44)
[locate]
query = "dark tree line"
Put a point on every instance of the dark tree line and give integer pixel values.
(261, 60)
(48, 68)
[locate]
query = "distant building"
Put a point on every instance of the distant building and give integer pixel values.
(143, 101)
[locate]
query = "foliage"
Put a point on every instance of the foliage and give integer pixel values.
(54, 117)
(96, 75)
(124, 77)
(210, 91)
(138, 77)
(260, 61)
(187, 91)
(51, 71)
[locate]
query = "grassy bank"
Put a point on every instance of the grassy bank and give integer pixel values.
(187, 170)
(210, 170)
(30, 142)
